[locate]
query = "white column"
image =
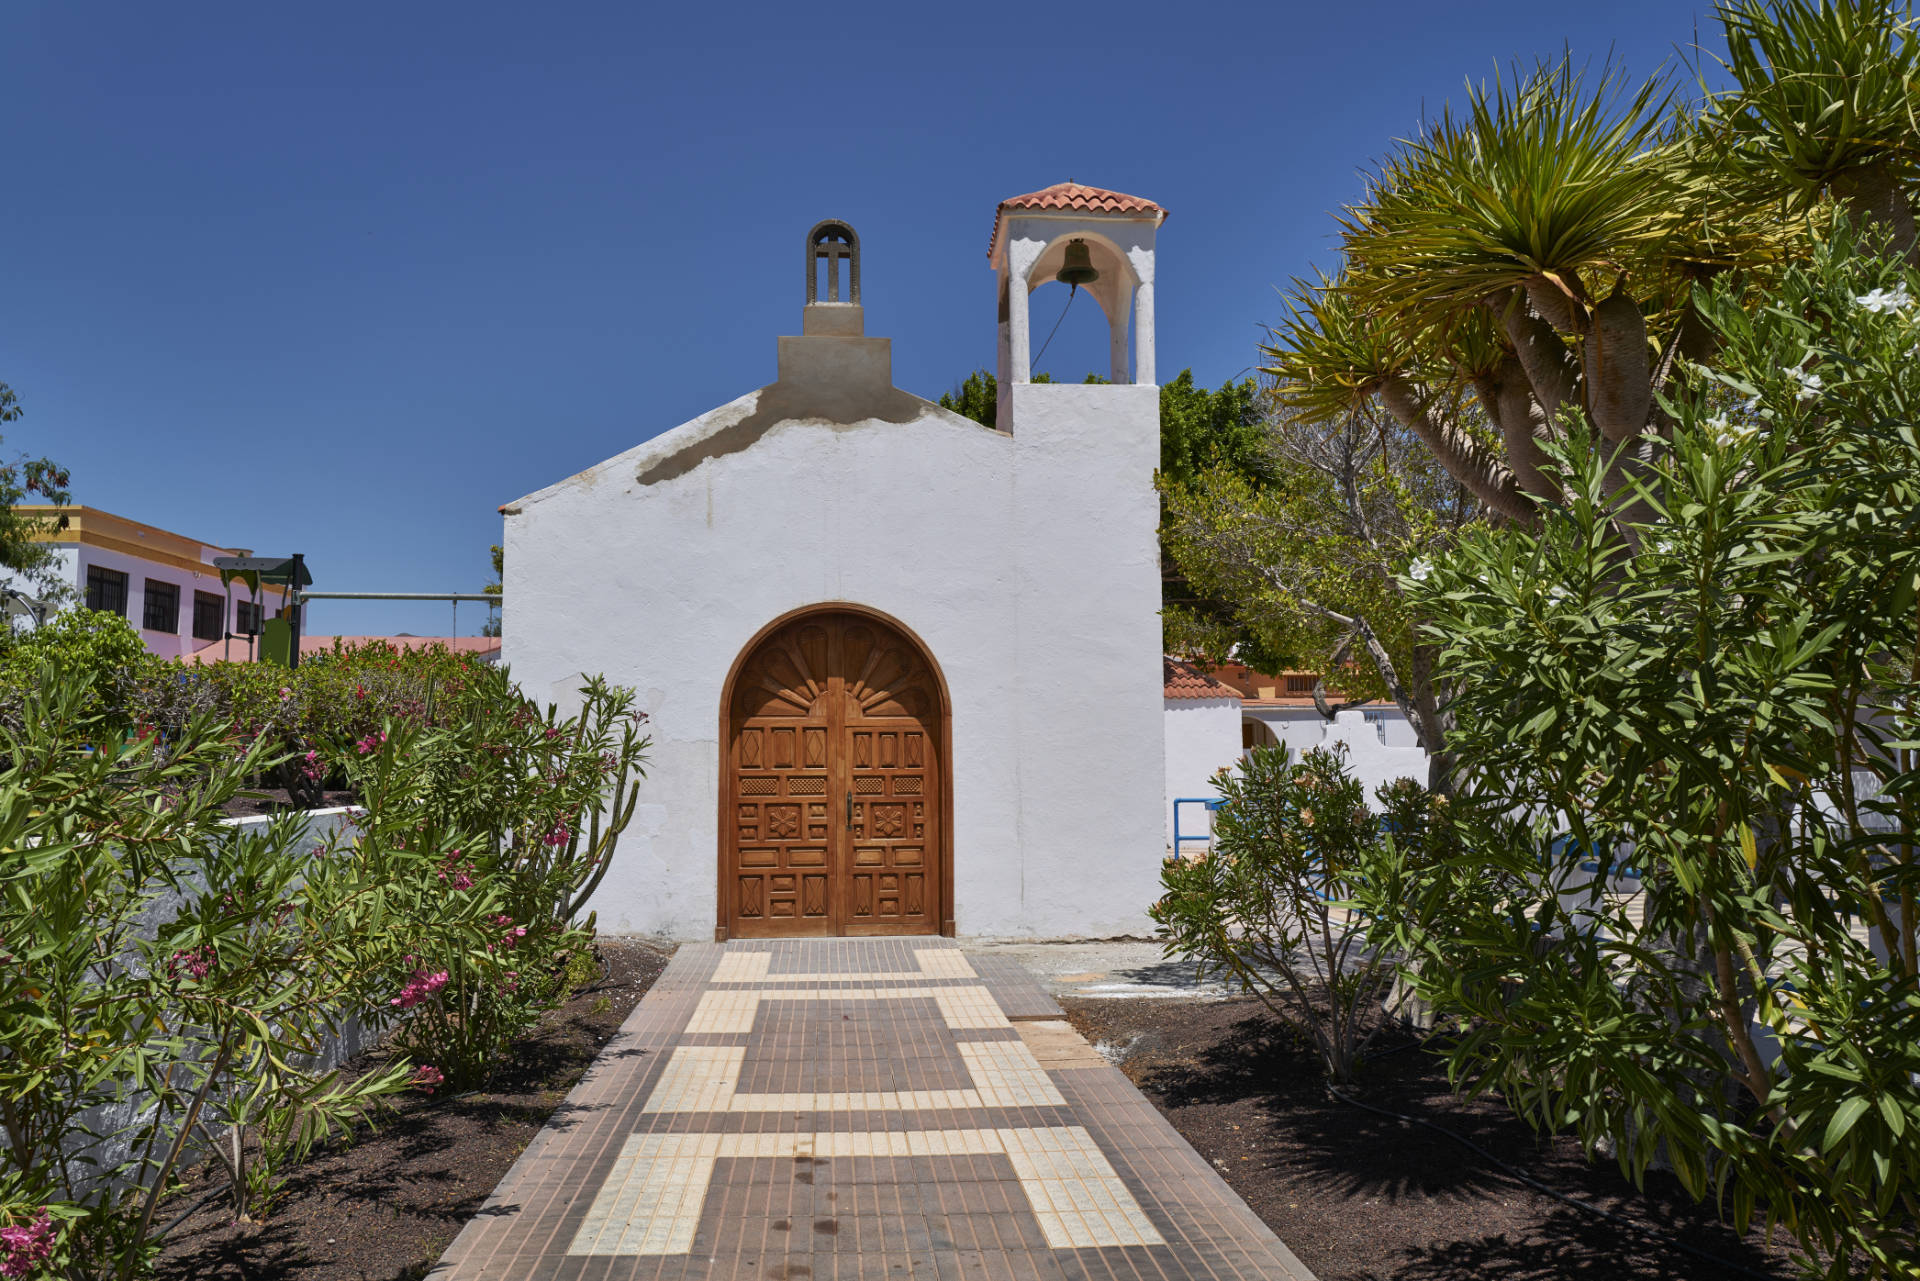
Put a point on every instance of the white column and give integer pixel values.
(1143, 371)
(1003, 368)
(1117, 313)
(1021, 255)
(1019, 353)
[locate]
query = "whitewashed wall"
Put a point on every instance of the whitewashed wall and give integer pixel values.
(1027, 563)
(1370, 759)
(1202, 737)
(321, 826)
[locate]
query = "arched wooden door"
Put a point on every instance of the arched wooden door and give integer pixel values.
(833, 803)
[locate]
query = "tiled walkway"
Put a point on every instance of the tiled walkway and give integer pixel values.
(880, 1108)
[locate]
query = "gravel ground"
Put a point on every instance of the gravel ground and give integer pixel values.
(386, 1206)
(1360, 1197)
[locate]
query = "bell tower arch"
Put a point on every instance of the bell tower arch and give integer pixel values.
(1098, 240)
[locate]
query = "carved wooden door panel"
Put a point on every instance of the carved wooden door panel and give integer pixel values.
(781, 789)
(833, 795)
(894, 823)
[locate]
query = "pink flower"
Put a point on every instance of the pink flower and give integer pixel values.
(457, 871)
(421, 986)
(559, 835)
(512, 983)
(196, 962)
(285, 692)
(552, 733)
(25, 1245)
(426, 1077)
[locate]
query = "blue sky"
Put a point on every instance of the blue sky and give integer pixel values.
(341, 279)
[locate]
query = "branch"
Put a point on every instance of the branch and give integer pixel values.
(1619, 381)
(1508, 399)
(1464, 458)
(1548, 364)
(1334, 660)
(1362, 631)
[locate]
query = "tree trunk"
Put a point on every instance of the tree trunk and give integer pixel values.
(1619, 377)
(1484, 475)
(1431, 724)
(1873, 197)
(1521, 424)
(1548, 365)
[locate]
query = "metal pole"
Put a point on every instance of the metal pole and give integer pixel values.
(397, 596)
(299, 563)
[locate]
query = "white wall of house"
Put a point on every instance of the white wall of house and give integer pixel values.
(1026, 562)
(167, 644)
(1380, 743)
(1203, 738)
(74, 560)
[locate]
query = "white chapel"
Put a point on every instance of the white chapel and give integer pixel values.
(902, 670)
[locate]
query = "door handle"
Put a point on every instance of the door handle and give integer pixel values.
(849, 811)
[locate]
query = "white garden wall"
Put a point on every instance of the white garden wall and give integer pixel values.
(1203, 738)
(1378, 751)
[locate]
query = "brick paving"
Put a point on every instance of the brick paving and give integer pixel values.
(840, 1109)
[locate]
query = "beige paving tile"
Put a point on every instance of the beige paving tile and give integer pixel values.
(896, 1124)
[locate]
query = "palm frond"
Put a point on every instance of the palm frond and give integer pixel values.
(1822, 86)
(1542, 178)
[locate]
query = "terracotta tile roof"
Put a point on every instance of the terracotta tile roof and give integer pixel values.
(1184, 680)
(1073, 196)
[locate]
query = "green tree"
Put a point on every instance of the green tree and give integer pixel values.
(1201, 430)
(492, 626)
(1304, 552)
(20, 547)
(1728, 705)
(1533, 253)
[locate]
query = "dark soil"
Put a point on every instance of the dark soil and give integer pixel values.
(385, 1207)
(1360, 1197)
(274, 800)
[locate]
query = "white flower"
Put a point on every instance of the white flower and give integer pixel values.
(1810, 384)
(1881, 301)
(1556, 594)
(1419, 569)
(1727, 433)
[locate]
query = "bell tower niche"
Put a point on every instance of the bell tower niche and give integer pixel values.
(1097, 240)
(830, 245)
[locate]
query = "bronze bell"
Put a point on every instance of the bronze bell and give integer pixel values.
(1078, 269)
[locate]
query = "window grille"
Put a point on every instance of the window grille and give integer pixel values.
(1379, 722)
(107, 589)
(209, 616)
(160, 611)
(246, 618)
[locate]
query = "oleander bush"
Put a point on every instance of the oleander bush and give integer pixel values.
(550, 796)
(335, 695)
(1269, 907)
(168, 985)
(1724, 693)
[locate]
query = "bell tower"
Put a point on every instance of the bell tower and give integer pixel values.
(830, 244)
(1101, 241)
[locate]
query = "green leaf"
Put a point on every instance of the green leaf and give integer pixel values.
(1844, 1116)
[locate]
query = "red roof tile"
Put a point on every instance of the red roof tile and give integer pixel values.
(1184, 680)
(1074, 196)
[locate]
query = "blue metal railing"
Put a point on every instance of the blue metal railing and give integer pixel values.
(1211, 806)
